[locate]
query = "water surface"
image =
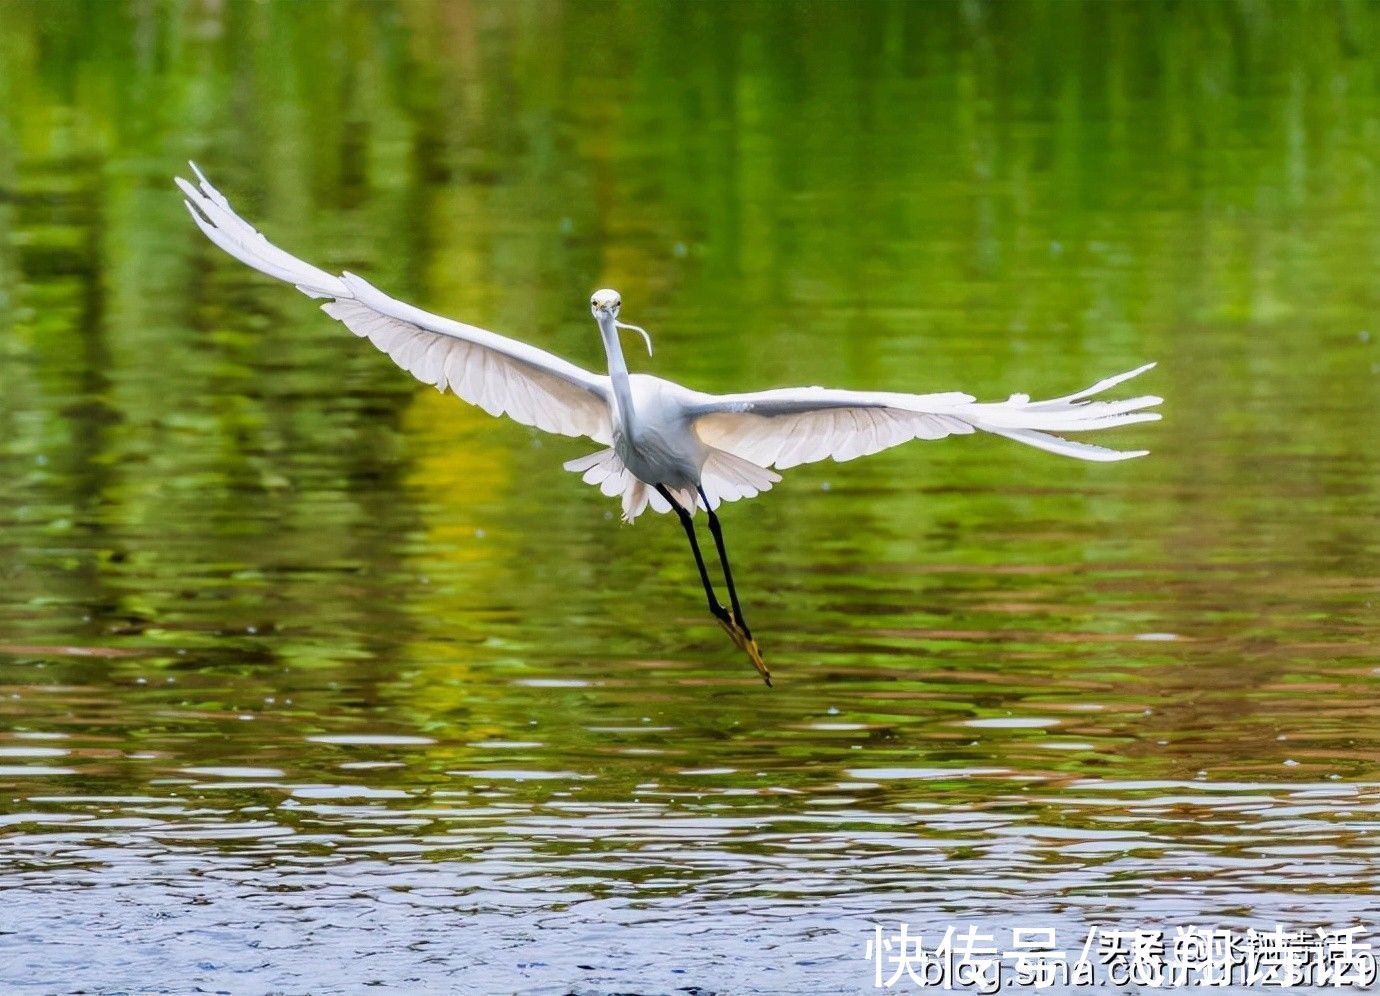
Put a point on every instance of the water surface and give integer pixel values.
(312, 679)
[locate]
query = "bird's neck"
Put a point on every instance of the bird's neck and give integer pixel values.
(618, 375)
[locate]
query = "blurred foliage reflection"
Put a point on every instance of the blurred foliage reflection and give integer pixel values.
(227, 526)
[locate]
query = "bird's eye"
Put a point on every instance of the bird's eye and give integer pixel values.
(618, 303)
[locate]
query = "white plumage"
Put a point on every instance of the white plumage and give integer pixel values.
(656, 432)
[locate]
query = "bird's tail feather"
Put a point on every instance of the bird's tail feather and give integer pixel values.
(605, 469)
(728, 477)
(725, 477)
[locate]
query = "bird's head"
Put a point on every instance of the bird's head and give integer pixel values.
(604, 305)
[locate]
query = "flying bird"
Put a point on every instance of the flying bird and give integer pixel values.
(664, 446)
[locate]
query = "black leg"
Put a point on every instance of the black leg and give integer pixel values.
(718, 532)
(732, 625)
(688, 525)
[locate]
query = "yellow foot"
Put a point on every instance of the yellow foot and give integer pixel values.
(748, 645)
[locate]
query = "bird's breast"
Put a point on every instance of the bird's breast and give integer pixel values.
(656, 441)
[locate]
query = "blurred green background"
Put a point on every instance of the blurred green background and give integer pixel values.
(228, 527)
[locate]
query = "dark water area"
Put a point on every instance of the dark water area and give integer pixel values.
(315, 680)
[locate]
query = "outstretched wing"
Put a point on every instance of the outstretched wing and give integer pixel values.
(500, 375)
(792, 426)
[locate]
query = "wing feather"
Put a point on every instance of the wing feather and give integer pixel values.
(500, 375)
(785, 428)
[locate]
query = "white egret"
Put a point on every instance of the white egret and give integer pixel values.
(665, 446)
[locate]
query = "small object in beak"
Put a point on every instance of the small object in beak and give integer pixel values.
(641, 331)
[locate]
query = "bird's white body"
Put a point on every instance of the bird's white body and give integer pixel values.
(702, 448)
(655, 439)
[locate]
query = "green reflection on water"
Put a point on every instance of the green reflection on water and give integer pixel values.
(269, 533)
